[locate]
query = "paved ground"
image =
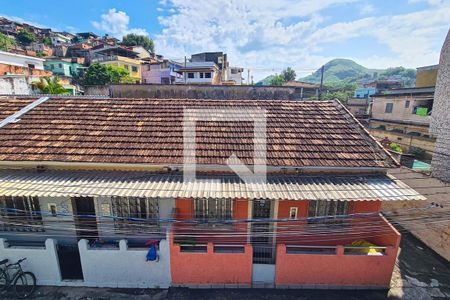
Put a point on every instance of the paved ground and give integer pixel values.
(419, 274)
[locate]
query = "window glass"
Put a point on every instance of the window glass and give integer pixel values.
(133, 207)
(134, 69)
(389, 107)
(208, 75)
(201, 75)
(213, 209)
(20, 214)
(407, 103)
(322, 208)
(190, 75)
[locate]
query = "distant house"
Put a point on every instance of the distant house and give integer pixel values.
(403, 116)
(235, 75)
(161, 71)
(118, 56)
(60, 38)
(12, 63)
(18, 71)
(65, 67)
(199, 73)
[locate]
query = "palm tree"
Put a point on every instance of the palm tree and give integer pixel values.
(49, 85)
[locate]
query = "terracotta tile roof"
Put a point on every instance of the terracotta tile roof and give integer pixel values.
(299, 133)
(9, 106)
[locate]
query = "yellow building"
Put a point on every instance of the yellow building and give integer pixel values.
(426, 76)
(119, 57)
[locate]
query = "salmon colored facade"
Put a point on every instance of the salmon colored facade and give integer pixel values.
(207, 268)
(338, 267)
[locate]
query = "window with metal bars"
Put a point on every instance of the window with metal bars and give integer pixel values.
(20, 214)
(213, 209)
(136, 214)
(322, 208)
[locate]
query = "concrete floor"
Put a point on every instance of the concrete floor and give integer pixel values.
(419, 274)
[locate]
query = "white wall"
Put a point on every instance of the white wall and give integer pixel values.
(125, 268)
(14, 85)
(21, 60)
(43, 262)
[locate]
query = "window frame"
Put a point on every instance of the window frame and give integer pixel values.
(208, 75)
(190, 75)
(122, 212)
(203, 209)
(325, 208)
(29, 213)
(389, 108)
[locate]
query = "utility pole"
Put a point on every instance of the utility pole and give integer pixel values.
(321, 81)
(248, 76)
(184, 73)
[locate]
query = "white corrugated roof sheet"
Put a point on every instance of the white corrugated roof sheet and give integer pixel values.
(144, 184)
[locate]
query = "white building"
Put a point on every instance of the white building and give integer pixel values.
(20, 60)
(58, 38)
(235, 75)
(199, 73)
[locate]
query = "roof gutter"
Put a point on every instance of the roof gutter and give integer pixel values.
(178, 167)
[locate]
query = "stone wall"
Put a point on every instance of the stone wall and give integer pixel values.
(440, 124)
(202, 91)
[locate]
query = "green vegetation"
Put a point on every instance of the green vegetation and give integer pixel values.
(395, 147)
(47, 85)
(47, 41)
(98, 74)
(285, 76)
(138, 40)
(339, 72)
(26, 37)
(6, 42)
(288, 74)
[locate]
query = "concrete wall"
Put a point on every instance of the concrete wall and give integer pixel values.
(201, 91)
(16, 84)
(399, 111)
(125, 268)
(337, 269)
(440, 125)
(210, 268)
(43, 262)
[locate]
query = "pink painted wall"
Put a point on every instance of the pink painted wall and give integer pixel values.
(210, 267)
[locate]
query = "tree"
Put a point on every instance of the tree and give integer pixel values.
(49, 85)
(6, 42)
(288, 74)
(98, 74)
(47, 41)
(25, 37)
(277, 80)
(138, 40)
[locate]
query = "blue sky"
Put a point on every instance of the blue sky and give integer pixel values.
(265, 36)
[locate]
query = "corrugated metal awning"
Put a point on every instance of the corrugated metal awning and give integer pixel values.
(144, 184)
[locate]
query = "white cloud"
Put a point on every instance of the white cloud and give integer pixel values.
(115, 23)
(366, 9)
(267, 36)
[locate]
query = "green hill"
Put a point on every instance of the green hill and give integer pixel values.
(341, 72)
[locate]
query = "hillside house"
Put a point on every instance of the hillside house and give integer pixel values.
(403, 116)
(86, 182)
(199, 73)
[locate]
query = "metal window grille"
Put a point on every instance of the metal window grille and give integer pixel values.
(321, 208)
(213, 209)
(145, 211)
(27, 217)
